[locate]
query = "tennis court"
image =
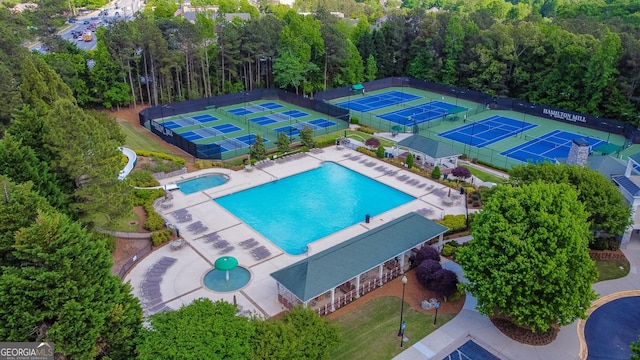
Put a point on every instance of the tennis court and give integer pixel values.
(487, 131)
(422, 113)
(189, 121)
(289, 130)
(276, 117)
(471, 351)
(549, 147)
(378, 101)
(209, 131)
(254, 108)
(238, 142)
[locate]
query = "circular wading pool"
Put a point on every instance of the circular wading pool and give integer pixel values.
(216, 280)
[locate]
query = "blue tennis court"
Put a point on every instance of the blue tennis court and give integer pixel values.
(171, 125)
(263, 120)
(289, 130)
(226, 128)
(295, 113)
(549, 147)
(422, 113)
(470, 351)
(378, 101)
(271, 105)
(321, 123)
(191, 135)
(204, 118)
(240, 111)
(250, 139)
(487, 131)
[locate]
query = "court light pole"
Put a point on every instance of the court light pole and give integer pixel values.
(402, 324)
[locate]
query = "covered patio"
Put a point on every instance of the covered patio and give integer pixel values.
(430, 151)
(337, 276)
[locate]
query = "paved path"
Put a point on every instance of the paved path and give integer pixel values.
(470, 324)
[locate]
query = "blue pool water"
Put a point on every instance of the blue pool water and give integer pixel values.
(295, 211)
(202, 183)
(216, 280)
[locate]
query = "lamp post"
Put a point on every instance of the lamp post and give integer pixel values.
(402, 324)
(435, 318)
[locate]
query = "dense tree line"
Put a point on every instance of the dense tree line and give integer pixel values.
(582, 56)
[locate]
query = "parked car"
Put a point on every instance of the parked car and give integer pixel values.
(86, 22)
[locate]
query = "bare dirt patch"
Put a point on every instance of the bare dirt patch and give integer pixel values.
(126, 248)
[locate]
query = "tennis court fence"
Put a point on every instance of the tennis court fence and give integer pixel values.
(483, 154)
(373, 120)
(148, 116)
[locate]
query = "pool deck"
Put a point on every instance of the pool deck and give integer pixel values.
(183, 281)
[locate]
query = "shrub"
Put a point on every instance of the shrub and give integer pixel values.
(599, 244)
(154, 220)
(142, 178)
(458, 294)
(380, 152)
(435, 173)
(427, 253)
(410, 160)
(444, 283)
(372, 142)
(455, 223)
(367, 130)
(161, 236)
(355, 120)
(448, 250)
(325, 142)
(461, 172)
(160, 155)
(425, 272)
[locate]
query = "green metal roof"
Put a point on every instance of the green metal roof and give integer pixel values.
(357, 87)
(427, 146)
(321, 272)
(635, 157)
(607, 165)
(606, 149)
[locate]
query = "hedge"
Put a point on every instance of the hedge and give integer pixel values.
(161, 236)
(160, 155)
(455, 223)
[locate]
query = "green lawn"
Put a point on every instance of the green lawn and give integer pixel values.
(484, 176)
(140, 139)
(370, 332)
(612, 269)
(127, 222)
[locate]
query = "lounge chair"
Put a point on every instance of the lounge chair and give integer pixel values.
(221, 244)
(226, 250)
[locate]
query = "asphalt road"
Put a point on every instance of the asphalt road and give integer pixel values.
(116, 11)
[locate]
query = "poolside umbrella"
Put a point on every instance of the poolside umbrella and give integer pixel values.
(396, 129)
(226, 263)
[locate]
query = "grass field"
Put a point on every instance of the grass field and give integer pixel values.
(370, 332)
(141, 139)
(612, 269)
(484, 176)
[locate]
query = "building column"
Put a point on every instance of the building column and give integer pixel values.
(440, 240)
(380, 268)
(626, 237)
(333, 298)
(358, 286)
(402, 263)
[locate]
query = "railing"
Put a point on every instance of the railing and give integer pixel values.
(124, 235)
(138, 255)
(350, 296)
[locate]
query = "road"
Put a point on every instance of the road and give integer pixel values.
(116, 11)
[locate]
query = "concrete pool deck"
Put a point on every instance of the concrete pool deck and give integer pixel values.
(183, 281)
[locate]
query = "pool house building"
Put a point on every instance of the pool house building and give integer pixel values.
(341, 274)
(430, 151)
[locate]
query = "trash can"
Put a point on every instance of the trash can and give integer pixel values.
(367, 218)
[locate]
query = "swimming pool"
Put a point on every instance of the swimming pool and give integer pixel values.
(297, 210)
(202, 183)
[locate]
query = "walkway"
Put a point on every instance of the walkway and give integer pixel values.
(470, 324)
